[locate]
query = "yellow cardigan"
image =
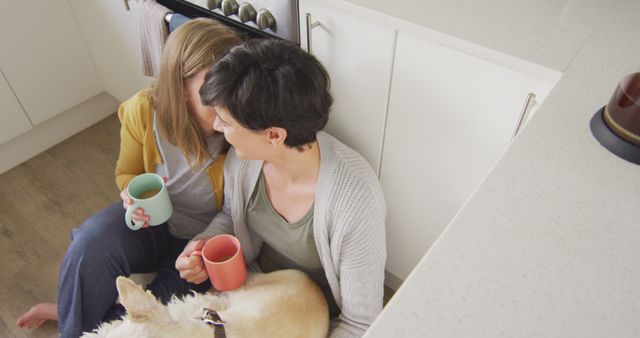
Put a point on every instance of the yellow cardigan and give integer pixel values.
(138, 150)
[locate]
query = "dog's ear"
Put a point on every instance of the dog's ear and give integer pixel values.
(140, 304)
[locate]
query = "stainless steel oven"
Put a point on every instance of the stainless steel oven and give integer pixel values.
(254, 18)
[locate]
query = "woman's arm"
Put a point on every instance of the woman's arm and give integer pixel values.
(131, 158)
(362, 261)
(191, 267)
(221, 222)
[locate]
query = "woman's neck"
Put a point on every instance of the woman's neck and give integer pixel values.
(295, 166)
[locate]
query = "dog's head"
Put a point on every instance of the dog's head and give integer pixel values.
(146, 317)
(141, 305)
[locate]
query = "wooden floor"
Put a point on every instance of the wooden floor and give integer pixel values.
(41, 200)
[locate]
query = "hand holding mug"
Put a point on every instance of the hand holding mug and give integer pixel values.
(138, 213)
(147, 201)
(191, 266)
(223, 260)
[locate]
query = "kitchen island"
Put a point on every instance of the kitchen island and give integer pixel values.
(549, 244)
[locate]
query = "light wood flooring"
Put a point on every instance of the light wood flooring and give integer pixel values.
(41, 200)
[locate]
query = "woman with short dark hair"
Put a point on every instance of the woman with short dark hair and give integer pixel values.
(294, 195)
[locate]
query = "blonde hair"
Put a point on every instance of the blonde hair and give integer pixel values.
(189, 49)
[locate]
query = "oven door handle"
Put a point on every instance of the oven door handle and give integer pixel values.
(310, 25)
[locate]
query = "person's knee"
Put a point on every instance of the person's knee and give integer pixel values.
(97, 236)
(94, 261)
(105, 224)
(87, 248)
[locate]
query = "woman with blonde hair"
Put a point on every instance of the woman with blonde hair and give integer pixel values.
(165, 130)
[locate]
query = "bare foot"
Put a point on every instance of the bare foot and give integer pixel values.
(37, 315)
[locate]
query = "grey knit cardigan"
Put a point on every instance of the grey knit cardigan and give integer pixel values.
(348, 225)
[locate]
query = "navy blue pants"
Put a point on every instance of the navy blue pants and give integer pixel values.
(102, 249)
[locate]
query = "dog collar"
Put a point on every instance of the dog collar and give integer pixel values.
(211, 317)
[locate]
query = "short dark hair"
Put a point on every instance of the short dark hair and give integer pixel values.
(271, 83)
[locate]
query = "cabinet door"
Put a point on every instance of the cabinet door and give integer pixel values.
(451, 117)
(358, 56)
(14, 120)
(44, 57)
(112, 35)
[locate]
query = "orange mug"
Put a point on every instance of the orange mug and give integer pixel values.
(224, 261)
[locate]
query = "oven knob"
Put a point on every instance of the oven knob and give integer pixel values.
(246, 12)
(213, 4)
(265, 19)
(229, 7)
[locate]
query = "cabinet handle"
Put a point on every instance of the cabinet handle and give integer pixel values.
(126, 4)
(531, 97)
(310, 26)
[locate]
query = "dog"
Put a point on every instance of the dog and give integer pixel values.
(284, 303)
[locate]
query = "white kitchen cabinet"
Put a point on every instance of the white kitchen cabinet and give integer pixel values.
(14, 120)
(451, 117)
(358, 56)
(44, 57)
(112, 35)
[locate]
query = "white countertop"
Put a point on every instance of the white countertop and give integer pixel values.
(549, 246)
(546, 32)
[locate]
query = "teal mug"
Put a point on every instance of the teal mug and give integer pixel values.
(149, 192)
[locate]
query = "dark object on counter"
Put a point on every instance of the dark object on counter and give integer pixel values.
(617, 125)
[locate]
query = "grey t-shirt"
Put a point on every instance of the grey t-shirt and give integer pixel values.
(294, 240)
(286, 245)
(190, 191)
